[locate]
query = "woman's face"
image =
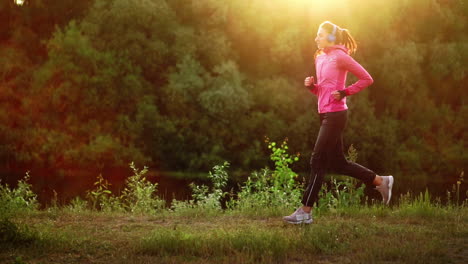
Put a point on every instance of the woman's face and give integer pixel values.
(321, 39)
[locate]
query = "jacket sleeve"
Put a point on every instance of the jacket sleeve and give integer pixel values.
(313, 88)
(348, 63)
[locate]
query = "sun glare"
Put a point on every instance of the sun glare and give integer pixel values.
(320, 3)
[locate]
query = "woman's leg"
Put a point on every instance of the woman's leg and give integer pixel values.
(370, 178)
(341, 165)
(331, 127)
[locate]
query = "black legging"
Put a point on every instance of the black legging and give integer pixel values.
(328, 156)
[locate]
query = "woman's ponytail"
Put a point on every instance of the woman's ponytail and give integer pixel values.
(348, 40)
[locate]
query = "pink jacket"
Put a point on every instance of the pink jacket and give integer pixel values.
(332, 68)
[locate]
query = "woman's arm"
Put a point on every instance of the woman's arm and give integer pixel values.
(313, 89)
(348, 63)
(311, 85)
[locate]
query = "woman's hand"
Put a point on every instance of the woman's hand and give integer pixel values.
(337, 95)
(309, 81)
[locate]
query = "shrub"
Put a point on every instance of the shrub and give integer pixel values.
(12, 234)
(139, 195)
(268, 188)
(100, 195)
(78, 205)
(208, 199)
(19, 199)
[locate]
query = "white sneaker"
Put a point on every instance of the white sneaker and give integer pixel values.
(385, 188)
(299, 217)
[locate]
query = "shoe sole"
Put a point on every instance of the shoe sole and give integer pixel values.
(300, 222)
(390, 185)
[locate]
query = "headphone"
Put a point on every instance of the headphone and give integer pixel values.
(332, 36)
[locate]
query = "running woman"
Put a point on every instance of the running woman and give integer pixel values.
(332, 62)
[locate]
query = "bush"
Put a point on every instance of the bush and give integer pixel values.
(78, 205)
(19, 199)
(267, 189)
(138, 196)
(100, 196)
(13, 234)
(209, 200)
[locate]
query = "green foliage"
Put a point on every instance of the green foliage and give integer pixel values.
(100, 195)
(283, 176)
(94, 83)
(278, 189)
(205, 198)
(12, 234)
(78, 205)
(341, 195)
(264, 194)
(139, 195)
(226, 95)
(19, 199)
(270, 189)
(419, 205)
(120, 80)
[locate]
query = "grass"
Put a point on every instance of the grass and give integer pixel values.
(371, 234)
(137, 227)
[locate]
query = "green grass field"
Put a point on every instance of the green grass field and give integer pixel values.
(137, 226)
(371, 234)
